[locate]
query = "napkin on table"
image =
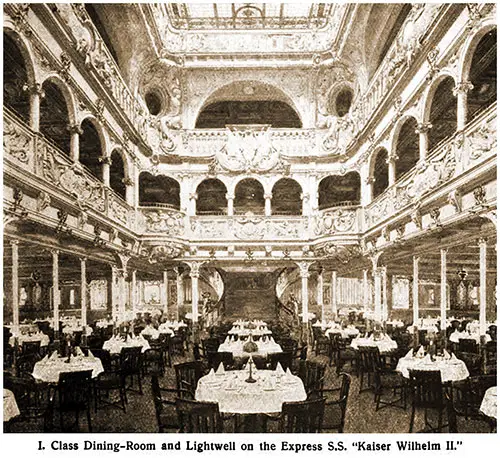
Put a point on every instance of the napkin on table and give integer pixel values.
(446, 355)
(427, 358)
(220, 369)
(420, 352)
(79, 351)
(53, 356)
(279, 369)
(211, 374)
(409, 355)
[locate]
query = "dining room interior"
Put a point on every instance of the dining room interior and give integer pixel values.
(249, 218)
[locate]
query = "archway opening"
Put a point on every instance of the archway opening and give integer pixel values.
(407, 147)
(159, 191)
(54, 117)
(443, 115)
(90, 150)
(249, 197)
(15, 79)
(286, 197)
(211, 198)
(380, 173)
(338, 190)
(483, 75)
(117, 174)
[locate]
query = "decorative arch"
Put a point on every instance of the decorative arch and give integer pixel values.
(159, 191)
(211, 198)
(406, 145)
(249, 92)
(479, 68)
(339, 190)
(379, 171)
(249, 197)
(286, 197)
(91, 147)
(18, 76)
(441, 110)
(117, 173)
(57, 113)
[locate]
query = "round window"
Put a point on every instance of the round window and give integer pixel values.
(153, 102)
(343, 102)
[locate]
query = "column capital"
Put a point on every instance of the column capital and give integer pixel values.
(83, 259)
(106, 160)
(304, 269)
(370, 180)
(195, 269)
(54, 252)
(127, 181)
(34, 89)
(268, 195)
(14, 242)
(391, 158)
(416, 259)
(423, 127)
(75, 129)
(462, 87)
(482, 241)
(229, 196)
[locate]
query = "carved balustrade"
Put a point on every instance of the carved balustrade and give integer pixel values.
(35, 154)
(453, 158)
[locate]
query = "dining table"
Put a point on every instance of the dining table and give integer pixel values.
(49, 368)
(457, 335)
(10, 408)
(29, 337)
(346, 333)
(489, 402)
(234, 395)
(236, 347)
(452, 369)
(115, 344)
(384, 343)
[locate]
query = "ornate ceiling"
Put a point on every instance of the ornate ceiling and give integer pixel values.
(206, 16)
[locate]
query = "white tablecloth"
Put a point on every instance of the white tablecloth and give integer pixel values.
(165, 329)
(10, 409)
(385, 344)
(150, 331)
(456, 336)
(266, 395)
(264, 348)
(48, 370)
(344, 333)
(115, 344)
(452, 370)
(72, 328)
(175, 325)
(489, 404)
(244, 332)
(37, 337)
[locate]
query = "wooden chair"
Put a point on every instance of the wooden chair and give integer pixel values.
(224, 357)
(107, 382)
(75, 395)
(285, 359)
(426, 390)
(31, 348)
(313, 376)
(164, 402)
(335, 409)
(468, 346)
(198, 417)
(302, 417)
(187, 376)
(131, 366)
(321, 342)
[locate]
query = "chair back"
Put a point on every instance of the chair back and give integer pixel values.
(312, 375)
(130, 360)
(224, 357)
(467, 346)
(198, 417)
(26, 363)
(187, 376)
(289, 345)
(369, 359)
(284, 358)
(210, 345)
(302, 417)
(31, 348)
(105, 357)
(426, 388)
(74, 390)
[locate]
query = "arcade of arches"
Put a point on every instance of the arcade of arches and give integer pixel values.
(209, 173)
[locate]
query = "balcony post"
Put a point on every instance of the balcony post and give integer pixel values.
(333, 292)
(36, 94)
(319, 294)
(165, 293)
(416, 260)
(75, 131)
(482, 287)
(304, 275)
(367, 190)
(191, 208)
(15, 285)
(385, 309)
(180, 291)
(129, 191)
(460, 92)
(194, 273)
(267, 209)
(133, 291)
(423, 140)
(230, 204)
(83, 297)
(443, 289)
(391, 162)
(55, 292)
(106, 163)
(377, 280)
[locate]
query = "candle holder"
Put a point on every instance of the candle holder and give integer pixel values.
(250, 379)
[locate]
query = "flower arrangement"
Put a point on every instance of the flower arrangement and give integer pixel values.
(250, 347)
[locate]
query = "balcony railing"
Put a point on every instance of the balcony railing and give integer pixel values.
(35, 154)
(450, 159)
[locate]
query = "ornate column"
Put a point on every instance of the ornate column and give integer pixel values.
(267, 208)
(75, 131)
(165, 293)
(367, 190)
(377, 280)
(14, 244)
(106, 163)
(415, 290)
(460, 92)
(129, 191)
(366, 290)
(391, 162)
(114, 293)
(191, 209)
(443, 288)
(122, 287)
(83, 297)
(385, 311)
(319, 294)
(133, 291)
(423, 139)
(482, 287)
(55, 291)
(333, 292)
(36, 94)
(180, 291)
(194, 273)
(230, 204)
(304, 275)
(305, 200)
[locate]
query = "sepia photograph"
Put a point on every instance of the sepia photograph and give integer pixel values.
(249, 218)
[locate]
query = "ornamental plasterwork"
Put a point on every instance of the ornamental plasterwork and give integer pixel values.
(338, 220)
(341, 253)
(166, 222)
(17, 144)
(162, 253)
